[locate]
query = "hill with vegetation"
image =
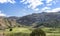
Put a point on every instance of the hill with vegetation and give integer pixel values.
(34, 20)
(8, 22)
(41, 19)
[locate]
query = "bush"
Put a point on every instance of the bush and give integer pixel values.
(38, 32)
(10, 29)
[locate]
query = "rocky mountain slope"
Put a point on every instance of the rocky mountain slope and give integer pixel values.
(35, 20)
(7, 22)
(45, 19)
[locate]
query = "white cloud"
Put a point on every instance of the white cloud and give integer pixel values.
(33, 3)
(6, 1)
(49, 4)
(36, 9)
(45, 8)
(48, 8)
(56, 1)
(22, 0)
(48, 1)
(53, 10)
(2, 14)
(11, 1)
(3, 1)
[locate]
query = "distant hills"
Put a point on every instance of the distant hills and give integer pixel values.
(41, 19)
(35, 20)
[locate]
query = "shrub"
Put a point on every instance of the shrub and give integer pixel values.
(38, 32)
(10, 29)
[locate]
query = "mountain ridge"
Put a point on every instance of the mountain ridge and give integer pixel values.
(34, 19)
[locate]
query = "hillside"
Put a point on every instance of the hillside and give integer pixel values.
(41, 19)
(7, 22)
(34, 20)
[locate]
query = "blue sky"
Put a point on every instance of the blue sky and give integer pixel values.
(25, 7)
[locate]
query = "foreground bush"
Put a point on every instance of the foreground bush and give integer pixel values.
(38, 32)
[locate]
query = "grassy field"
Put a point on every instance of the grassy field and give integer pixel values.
(52, 31)
(16, 32)
(26, 32)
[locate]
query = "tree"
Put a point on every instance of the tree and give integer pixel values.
(38, 32)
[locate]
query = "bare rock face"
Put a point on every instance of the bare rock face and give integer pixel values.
(6, 22)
